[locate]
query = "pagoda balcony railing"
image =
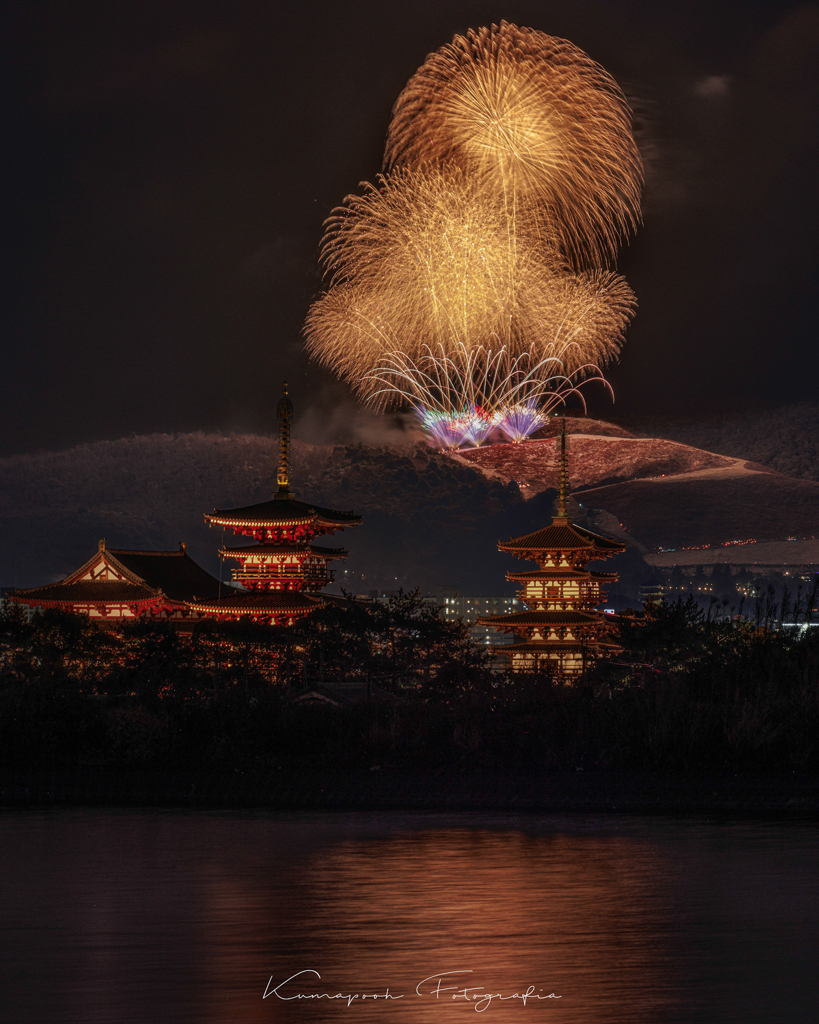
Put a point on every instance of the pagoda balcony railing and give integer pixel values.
(556, 604)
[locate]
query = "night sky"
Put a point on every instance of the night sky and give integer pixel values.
(168, 166)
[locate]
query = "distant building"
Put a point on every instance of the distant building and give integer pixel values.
(652, 589)
(7, 600)
(283, 573)
(116, 586)
(455, 605)
(560, 629)
(383, 597)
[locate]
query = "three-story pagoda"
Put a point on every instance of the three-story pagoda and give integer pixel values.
(283, 572)
(561, 630)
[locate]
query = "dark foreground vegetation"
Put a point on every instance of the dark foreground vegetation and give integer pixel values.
(396, 687)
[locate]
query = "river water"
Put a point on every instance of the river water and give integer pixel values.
(167, 916)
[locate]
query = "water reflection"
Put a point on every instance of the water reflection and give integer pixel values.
(577, 916)
(164, 916)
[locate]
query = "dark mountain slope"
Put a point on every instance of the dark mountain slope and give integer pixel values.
(785, 439)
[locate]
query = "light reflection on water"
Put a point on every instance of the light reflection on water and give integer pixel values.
(120, 916)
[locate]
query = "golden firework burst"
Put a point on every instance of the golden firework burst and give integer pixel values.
(470, 280)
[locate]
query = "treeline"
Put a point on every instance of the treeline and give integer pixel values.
(395, 686)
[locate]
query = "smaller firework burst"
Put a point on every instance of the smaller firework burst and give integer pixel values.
(521, 421)
(536, 120)
(473, 425)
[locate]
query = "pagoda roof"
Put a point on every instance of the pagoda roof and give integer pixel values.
(562, 535)
(560, 574)
(267, 602)
(568, 618)
(143, 576)
(544, 646)
(282, 512)
(285, 549)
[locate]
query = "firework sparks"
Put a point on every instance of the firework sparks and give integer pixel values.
(535, 119)
(464, 398)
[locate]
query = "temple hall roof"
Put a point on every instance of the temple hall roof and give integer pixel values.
(143, 575)
(173, 572)
(88, 592)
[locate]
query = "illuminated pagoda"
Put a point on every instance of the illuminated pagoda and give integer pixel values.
(283, 573)
(117, 585)
(561, 631)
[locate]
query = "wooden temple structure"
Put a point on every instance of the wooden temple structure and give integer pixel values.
(116, 586)
(283, 573)
(561, 630)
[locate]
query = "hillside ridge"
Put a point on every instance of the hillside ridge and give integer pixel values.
(430, 517)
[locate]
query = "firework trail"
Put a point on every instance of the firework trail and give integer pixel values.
(426, 263)
(536, 120)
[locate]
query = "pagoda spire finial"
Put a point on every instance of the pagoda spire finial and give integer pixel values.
(284, 412)
(562, 513)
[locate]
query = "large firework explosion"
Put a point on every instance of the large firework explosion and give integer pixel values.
(468, 281)
(538, 121)
(426, 263)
